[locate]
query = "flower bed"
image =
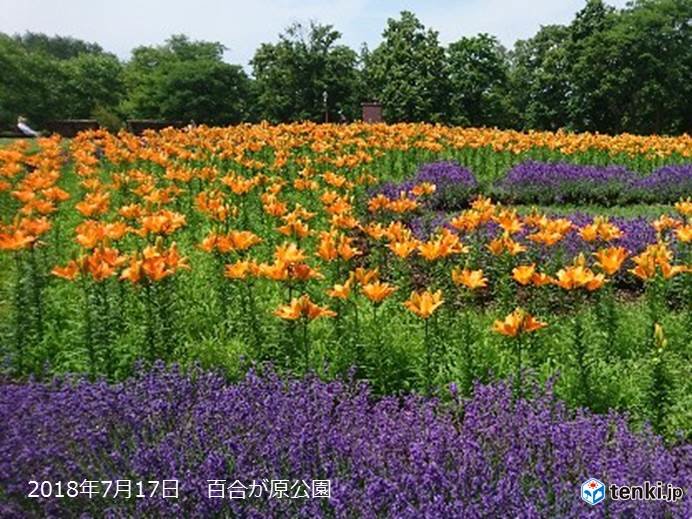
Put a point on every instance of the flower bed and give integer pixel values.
(563, 183)
(409, 457)
(454, 185)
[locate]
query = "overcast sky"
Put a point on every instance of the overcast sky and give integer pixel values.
(120, 25)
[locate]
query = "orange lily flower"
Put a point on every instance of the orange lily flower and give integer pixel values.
(346, 250)
(471, 279)
(365, 276)
(69, 271)
(539, 279)
(425, 303)
(241, 269)
(303, 272)
(656, 255)
(509, 221)
(289, 253)
(377, 291)
(524, 274)
(403, 204)
(340, 291)
(377, 203)
(17, 240)
(579, 276)
(403, 249)
(684, 207)
(374, 230)
(517, 323)
(684, 233)
(424, 188)
(303, 307)
(610, 260)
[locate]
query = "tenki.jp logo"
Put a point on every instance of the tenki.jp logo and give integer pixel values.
(593, 491)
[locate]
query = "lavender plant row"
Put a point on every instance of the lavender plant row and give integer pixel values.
(550, 183)
(544, 183)
(409, 457)
(454, 185)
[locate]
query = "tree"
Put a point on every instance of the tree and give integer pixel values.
(59, 47)
(185, 80)
(540, 79)
(93, 82)
(587, 110)
(407, 72)
(291, 76)
(31, 84)
(633, 74)
(204, 91)
(48, 78)
(479, 82)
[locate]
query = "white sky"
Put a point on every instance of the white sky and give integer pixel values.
(120, 25)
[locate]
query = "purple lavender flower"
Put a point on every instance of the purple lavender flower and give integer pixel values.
(666, 184)
(539, 182)
(547, 183)
(454, 185)
(393, 457)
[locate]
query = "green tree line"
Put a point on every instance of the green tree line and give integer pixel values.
(610, 70)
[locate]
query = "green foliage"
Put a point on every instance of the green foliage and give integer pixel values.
(60, 47)
(91, 81)
(479, 83)
(407, 72)
(631, 69)
(540, 82)
(52, 78)
(29, 84)
(107, 119)
(291, 76)
(185, 80)
(609, 70)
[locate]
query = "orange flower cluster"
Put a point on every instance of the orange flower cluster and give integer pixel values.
(154, 264)
(101, 264)
(31, 180)
(303, 308)
(517, 323)
(600, 229)
(656, 258)
(423, 304)
(578, 275)
(287, 204)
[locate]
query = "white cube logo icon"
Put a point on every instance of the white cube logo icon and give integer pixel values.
(593, 491)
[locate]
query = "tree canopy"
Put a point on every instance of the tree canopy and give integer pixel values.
(609, 70)
(293, 75)
(407, 72)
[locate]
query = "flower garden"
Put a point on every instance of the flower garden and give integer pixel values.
(442, 321)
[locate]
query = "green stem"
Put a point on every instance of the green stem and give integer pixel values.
(306, 346)
(468, 364)
(428, 358)
(89, 331)
(254, 323)
(36, 286)
(659, 393)
(580, 354)
(150, 321)
(519, 387)
(20, 324)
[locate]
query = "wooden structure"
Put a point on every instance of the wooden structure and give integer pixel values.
(70, 127)
(372, 112)
(137, 126)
